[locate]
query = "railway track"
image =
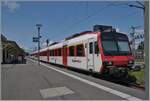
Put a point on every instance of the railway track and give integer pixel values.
(137, 86)
(126, 82)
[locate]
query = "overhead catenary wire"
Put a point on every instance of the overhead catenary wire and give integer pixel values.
(87, 17)
(140, 3)
(98, 12)
(94, 14)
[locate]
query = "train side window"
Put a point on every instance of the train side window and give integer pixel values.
(80, 50)
(91, 47)
(59, 52)
(71, 50)
(96, 48)
(55, 52)
(43, 53)
(52, 52)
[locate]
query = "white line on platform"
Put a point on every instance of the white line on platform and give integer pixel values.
(107, 89)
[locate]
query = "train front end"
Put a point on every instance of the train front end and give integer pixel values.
(116, 54)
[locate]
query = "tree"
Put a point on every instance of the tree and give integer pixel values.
(141, 46)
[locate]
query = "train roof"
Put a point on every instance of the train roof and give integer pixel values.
(80, 39)
(43, 49)
(71, 40)
(58, 45)
(77, 35)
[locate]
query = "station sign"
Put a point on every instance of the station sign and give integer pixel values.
(35, 39)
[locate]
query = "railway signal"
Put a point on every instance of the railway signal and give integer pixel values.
(35, 39)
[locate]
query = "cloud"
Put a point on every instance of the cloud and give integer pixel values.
(12, 5)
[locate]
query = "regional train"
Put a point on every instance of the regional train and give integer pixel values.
(103, 51)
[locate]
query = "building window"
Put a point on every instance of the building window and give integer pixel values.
(96, 47)
(80, 50)
(71, 50)
(91, 47)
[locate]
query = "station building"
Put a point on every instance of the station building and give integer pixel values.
(11, 52)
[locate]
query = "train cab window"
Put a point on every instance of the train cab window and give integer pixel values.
(91, 47)
(96, 48)
(71, 50)
(80, 50)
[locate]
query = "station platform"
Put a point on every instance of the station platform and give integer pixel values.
(31, 81)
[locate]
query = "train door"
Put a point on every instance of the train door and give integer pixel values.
(97, 57)
(90, 56)
(65, 55)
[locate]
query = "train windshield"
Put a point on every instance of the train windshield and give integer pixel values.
(115, 44)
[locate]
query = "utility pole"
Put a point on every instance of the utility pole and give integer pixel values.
(38, 27)
(147, 49)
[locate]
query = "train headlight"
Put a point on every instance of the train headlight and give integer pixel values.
(110, 63)
(131, 62)
(107, 63)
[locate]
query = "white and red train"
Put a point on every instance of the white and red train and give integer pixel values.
(103, 50)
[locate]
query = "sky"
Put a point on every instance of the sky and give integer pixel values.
(62, 19)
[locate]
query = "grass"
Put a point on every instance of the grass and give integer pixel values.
(139, 75)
